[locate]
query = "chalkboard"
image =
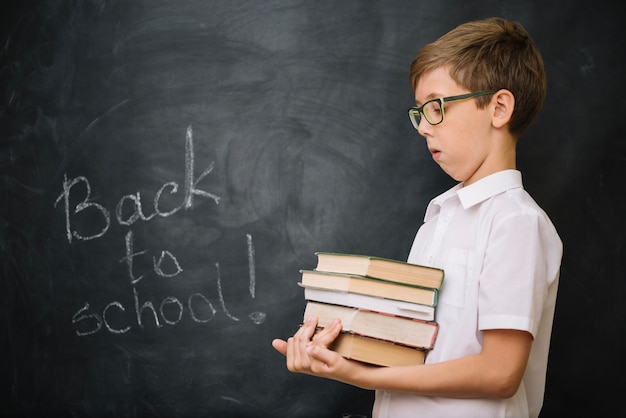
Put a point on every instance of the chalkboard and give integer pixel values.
(168, 167)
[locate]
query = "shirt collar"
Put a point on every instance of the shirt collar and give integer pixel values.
(490, 186)
(478, 192)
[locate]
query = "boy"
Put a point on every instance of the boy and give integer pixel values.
(477, 89)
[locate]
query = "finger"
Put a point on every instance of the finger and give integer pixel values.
(280, 346)
(321, 357)
(323, 360)
(301, 339)
(301, 360)
(307, 329)
(327, 335)
(298, 359)
(290, 354)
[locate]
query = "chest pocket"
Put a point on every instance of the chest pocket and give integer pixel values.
(458, 267)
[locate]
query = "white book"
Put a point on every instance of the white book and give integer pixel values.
(356, 300)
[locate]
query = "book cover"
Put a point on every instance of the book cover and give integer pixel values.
(369, 286)
(381, 268)
(398, 329)
(374, 303)
(377, 352)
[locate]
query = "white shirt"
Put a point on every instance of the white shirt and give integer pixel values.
(501, 257)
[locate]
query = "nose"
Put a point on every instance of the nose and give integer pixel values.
(424, 127)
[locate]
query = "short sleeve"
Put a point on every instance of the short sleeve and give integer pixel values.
(516, 274)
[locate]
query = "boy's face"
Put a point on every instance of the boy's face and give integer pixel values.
(462, 144)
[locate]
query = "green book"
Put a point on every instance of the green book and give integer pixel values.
(380, 268)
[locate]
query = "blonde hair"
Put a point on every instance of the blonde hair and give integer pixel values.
(490, 54)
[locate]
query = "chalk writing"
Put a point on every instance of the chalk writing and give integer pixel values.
(83, 205)
(134, 199)
(256, 317)
(221, 295)
(170, 310)
(130, 255)
(90, 322)
(251, 268)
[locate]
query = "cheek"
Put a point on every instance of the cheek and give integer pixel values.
(471, 140)
(461, 147)
(463, 158)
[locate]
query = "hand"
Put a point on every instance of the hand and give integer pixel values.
(307, 351)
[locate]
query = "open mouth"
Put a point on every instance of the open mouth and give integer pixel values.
(434, 152)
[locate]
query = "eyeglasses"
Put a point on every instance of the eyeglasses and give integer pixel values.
(433, 109)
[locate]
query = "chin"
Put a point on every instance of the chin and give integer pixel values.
(454, 176)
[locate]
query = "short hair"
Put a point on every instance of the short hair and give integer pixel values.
(490, 54)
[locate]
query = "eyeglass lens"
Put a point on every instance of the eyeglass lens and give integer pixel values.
(431, 110)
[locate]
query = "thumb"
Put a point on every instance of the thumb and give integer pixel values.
(280, 346)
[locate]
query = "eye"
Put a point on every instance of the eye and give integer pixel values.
(433, 108)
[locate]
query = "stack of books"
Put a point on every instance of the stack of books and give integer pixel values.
(386, 307)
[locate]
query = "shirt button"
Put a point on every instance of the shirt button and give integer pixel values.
(430, 259)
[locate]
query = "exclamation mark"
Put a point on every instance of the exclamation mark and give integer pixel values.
(256, 317)
(251, 267)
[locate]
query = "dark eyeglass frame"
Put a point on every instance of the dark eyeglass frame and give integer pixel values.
(416, 113)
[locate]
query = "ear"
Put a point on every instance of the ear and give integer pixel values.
(504, 102)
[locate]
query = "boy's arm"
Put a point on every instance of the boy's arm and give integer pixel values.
(495, 372)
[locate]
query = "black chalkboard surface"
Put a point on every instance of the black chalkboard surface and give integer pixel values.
(168, 167)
